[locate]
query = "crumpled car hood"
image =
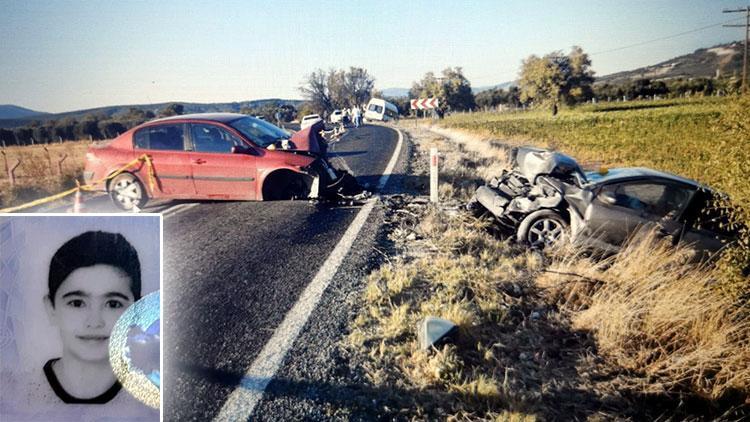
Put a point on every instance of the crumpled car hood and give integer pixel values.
(309, 140)
(532, 162)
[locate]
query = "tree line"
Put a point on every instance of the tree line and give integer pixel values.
(548, 81)
(332, 89)
(99, 126)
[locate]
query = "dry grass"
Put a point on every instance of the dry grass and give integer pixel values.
(38, 174)
(456, 282)
(465, 164)
(558, 336)
(660, 316)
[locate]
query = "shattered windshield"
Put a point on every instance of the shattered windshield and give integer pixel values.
(259, 131)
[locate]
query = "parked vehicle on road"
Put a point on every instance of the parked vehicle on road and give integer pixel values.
(216, 156)
(309, 120)
(337, 116)
(380, 110)
(546, 197)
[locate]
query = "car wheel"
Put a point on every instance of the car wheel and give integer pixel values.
(543, 228)
(285, 186)
(127, 192)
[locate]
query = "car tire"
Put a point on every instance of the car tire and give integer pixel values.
(542, 229)
(127, 192)
(289, 188)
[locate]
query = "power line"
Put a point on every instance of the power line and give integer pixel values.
(667, 37)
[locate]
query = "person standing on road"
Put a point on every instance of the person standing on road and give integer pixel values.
(357, 115)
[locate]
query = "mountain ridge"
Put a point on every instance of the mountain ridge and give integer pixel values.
(111, 111)
(721, 59)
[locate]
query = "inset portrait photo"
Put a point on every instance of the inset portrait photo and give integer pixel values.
(65, 281)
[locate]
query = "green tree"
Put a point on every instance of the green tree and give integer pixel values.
(173, 109)
(547, 81)
(7, 138)
(327, 91)
(317, 92)
(580, 77)
(110, 129)
(498, 96)
(359, 86)
(287, 112)
(403, 104)
(452, 89)
(42, 134)
(23, 135)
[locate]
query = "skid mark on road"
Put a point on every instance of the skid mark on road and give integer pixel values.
(242, 401)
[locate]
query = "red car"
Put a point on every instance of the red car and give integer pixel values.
(213, 156)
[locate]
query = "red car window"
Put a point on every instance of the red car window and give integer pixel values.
(210, 138)
(161, 137)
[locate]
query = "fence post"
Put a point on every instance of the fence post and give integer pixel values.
(49, 160)
(434, 175)
(12, 172)
(5, 163)
(59, 163)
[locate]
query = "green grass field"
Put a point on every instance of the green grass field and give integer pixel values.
(705, 139)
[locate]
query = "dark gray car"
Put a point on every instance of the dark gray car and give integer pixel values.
(547, 196)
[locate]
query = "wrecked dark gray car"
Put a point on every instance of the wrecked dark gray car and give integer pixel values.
(547, 197)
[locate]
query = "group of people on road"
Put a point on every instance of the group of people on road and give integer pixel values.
(356, 116)
(353, 115)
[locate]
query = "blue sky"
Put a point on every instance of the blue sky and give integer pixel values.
(67, 55)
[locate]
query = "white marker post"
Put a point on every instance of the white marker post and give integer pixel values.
(434, 175)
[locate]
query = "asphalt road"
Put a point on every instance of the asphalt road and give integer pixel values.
(232, 271)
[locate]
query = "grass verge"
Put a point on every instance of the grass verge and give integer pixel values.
(642, 335)
(38, 174)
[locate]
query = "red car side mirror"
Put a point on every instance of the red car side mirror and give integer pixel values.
(243, 150)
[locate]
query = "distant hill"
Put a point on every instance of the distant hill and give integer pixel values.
(719, 60)
(9, 111)
(395, 92)
(504, 85)
(113, 111)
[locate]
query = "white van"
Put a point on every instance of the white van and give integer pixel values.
(379, 109)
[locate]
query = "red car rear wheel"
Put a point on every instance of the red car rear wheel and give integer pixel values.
(127, 192)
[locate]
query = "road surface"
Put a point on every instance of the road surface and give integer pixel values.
(233, 270)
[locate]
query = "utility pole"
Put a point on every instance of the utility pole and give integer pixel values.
(746, 10)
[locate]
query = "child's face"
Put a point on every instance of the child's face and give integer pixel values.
(86, 307)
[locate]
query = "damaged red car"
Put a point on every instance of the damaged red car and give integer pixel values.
(216, 156)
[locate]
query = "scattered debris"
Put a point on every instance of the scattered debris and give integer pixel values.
(433, 332)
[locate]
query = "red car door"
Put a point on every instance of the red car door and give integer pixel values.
(165, 144)
(217, 172)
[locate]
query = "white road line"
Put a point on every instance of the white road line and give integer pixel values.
(176, 209)
(340, 160)
(242, 401)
